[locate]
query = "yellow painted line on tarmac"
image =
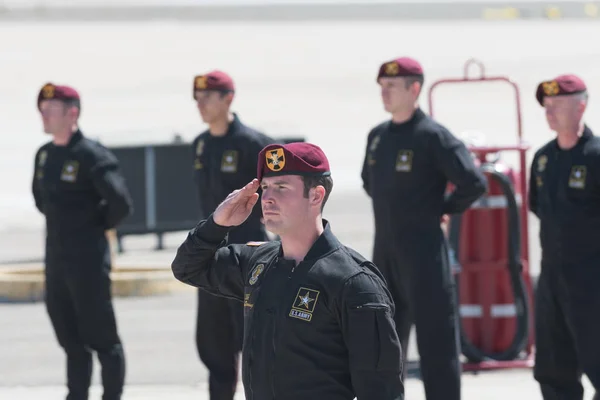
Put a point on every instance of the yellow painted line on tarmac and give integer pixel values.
(27, 283)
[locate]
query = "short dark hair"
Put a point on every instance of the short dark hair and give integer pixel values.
(223, 93)
(409, 80)
(314, 181)
(72, 103)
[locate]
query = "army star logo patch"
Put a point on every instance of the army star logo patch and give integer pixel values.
(69, 171)
(229, 161)
(404, 161)
(304, 304)
(275, 159)
(577, 178)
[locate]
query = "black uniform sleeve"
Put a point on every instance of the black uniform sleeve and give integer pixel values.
(193, 163)
(35, 186)
(455, 162)
(365, 167)
(532, 198)
(369, 331)
(110, 184)
(203, 261)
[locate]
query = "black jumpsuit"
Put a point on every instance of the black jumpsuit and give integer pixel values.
(321, 329)
(406, 170)
(81, 192)
(565, 196)
(223, 164)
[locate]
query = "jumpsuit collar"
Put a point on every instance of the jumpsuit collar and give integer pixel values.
(75, 138)
(585, 136)
(417, 116)
(234, 126)
(325, 244)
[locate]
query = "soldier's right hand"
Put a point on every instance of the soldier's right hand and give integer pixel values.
(237, 207)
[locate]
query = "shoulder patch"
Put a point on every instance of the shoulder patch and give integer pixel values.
(255, 244)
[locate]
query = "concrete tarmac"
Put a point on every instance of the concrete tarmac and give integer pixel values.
(311, 79)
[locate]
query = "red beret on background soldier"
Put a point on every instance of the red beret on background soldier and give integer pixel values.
(64, 94)
(225, 158)
(564, 193)
(318, 315)
(78, 187)
(409, 161)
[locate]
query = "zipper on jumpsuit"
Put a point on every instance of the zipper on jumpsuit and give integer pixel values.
(251, 338)
(274, 341)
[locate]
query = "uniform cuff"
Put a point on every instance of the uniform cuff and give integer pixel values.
(209, 231)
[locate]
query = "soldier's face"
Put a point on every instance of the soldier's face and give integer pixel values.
(56, 116)
(284, 206)
(563, 112)
(213, 105)
(395, 94)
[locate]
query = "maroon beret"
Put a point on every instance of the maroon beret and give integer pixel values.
(214, 80)
(560, 86)
(403, 66)
(51, 91)
(298, 158)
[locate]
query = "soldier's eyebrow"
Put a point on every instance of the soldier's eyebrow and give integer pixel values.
(276, 183)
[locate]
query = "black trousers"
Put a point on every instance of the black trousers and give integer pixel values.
(567, 329)
(219, 338)
(78, 301)
(418, 275)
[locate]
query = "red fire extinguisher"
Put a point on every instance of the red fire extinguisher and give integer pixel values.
(493, 284)
(489, 244)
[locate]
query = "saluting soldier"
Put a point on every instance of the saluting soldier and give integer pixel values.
(409, 161)
(318, 316)
(79, 188)
(564, 193)
(225, 159)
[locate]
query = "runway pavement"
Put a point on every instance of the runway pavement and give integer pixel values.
(311, 79)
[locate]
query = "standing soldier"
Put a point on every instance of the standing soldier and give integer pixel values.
(408, 164)
(225, 159)
(78, 187)
(565, 196)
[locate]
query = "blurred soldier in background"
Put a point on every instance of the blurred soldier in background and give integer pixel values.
(564, 193)
(225, 158)
(408, 164)
(79, 188)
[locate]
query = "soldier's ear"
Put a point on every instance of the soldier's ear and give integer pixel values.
(229, 98)
(317, 195)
